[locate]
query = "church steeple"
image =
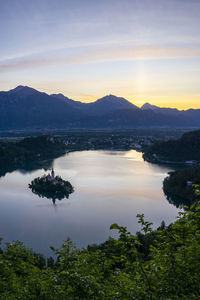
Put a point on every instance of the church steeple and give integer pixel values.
(52, 173)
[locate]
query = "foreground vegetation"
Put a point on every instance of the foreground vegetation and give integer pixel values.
(160, 264)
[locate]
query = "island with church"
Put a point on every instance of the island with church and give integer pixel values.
(51, 186)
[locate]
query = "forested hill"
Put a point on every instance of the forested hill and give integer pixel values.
(179, 186)
(29, 151)
(184, 149)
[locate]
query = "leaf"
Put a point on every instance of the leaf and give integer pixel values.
(114, 226)
(52, 248)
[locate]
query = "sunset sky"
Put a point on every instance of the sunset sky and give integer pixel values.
(143, 50)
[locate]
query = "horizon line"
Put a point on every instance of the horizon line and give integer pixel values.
(131, 101)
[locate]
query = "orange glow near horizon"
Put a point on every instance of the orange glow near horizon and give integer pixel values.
(147, 52)
(180, 102)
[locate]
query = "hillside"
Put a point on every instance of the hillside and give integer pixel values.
(24, 107)
(163, 110)
(29, 153)
(184, 149)
(27, 108)
(179, 186)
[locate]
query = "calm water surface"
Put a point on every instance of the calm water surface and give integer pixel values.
(110, 187)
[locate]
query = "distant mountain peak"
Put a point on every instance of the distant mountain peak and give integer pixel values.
(115, 101)
(25, 107)
(59, 96)
(17, 89)
(111, 98)
(149, 106)
(163, 110)
(23, 90)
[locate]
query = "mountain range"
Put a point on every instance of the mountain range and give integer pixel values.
(27, 108)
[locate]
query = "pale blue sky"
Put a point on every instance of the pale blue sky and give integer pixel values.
(144, 50)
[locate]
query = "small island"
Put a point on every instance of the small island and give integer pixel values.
(51, 186)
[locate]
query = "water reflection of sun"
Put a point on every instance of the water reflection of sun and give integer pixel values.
(133, 155)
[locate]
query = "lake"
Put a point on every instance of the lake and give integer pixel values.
(110, 187)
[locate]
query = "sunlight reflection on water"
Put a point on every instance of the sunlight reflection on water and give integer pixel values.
(110, 187)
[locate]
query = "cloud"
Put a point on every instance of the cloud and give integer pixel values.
(99, 56)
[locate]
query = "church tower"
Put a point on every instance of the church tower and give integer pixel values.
(52, 174)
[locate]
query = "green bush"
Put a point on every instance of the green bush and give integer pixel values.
(154, 264)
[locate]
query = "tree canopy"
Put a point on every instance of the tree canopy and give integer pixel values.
(153, 264)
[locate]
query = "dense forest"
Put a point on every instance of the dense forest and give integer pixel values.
(159, 264)
(181, 150)
(179, 186)
(29, 152)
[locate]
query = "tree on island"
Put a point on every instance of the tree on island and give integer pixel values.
(51, 187)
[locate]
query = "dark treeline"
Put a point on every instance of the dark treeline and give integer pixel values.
(159, 264)
(33, 152)
(179, 186)
(29, 153)
(181, 150)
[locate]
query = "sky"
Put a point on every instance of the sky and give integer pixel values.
(142, 50)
